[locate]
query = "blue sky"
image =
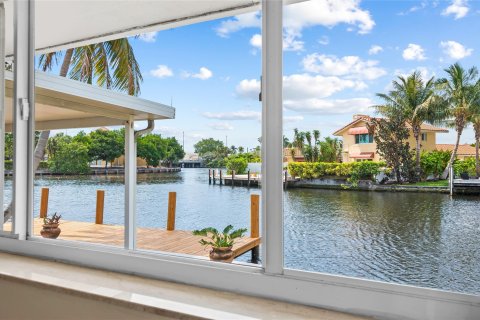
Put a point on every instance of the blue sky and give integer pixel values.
(337, 55)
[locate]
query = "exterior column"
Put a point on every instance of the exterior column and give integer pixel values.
(272, 133)
(23, 116)
(130, 185)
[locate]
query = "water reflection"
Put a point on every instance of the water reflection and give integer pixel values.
(420, 239)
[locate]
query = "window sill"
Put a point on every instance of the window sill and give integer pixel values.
(151, 296)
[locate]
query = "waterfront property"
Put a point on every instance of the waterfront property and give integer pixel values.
(359, 145)
(328, 234)
(465, 151)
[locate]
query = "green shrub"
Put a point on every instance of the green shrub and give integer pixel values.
(434, 162)
(70, 158)
(354, 171)
(237, 164)
(467, 165)
(8, 164)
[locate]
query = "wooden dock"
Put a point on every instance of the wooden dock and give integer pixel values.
(217, 176)
(470, 186)
(155, 239)
(175, 241)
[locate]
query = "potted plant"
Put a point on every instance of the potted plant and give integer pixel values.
(220, 242)
(50, 227)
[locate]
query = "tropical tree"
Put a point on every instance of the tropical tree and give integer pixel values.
(460, 91)
(150, 147)
(111, 64)
(330, 150)
(475, 120)
(417, 101)
(106, 145)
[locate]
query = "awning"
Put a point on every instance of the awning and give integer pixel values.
(362, 155)
(358, 130)
(63, 103)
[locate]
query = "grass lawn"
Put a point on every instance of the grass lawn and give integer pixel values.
(439, 183)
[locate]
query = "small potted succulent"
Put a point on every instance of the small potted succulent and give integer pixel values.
(220, 242)
(50, 227)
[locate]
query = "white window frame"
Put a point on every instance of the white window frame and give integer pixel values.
(360, 296)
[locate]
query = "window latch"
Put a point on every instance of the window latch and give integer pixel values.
(24, 109)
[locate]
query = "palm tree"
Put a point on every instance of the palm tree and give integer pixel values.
(111, 64)
(316, 149)
(417, 101)
(475, 120)
(460, 91)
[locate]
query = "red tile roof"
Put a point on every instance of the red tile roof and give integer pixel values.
(463, 149)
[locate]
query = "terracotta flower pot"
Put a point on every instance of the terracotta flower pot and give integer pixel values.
(50, 231)
(221, 253)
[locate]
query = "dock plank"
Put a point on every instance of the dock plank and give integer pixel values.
(175, 241)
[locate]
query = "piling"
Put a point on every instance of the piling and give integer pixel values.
(100, 206)
(209, 176)
(248, 178)
(285, 180)
(233, 178)
(44, 203)
(172, 205)
(213, 175)
(255, 225)
(220, 173)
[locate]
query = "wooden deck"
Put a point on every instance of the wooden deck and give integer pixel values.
(176, 241)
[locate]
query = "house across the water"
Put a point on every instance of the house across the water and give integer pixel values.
(464, 151)
(359, 145)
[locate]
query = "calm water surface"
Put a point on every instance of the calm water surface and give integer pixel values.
(425, 240)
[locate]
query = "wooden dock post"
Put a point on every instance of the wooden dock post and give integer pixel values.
(209, 176)
(44, 203)
(100, 206)
(286, 180)
(220, 176)
(248, 178)
(172, 206)
(255, 225)
(213, 175)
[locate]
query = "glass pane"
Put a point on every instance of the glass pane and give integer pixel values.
(210, 73)
(7, 99)
(80, 145)
(413, 232)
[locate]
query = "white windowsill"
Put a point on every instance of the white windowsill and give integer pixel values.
(153, 296)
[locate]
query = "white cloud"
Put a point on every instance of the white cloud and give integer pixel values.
(338, 106)
(256, 41)
(148, 37)
(248, 89)
(235, 115)
(247, 20)
(414, 52)
(301, 86)
(458, 8)
(324, 40)
(204, 74)
(375, 49)
(422, 5)
(306, 14)
(292, 119)
(327, 13)
(351, 67)
(455, 50)
(425, 73)
(222, 126)
(162, 71)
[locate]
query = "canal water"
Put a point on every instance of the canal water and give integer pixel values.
(428, 240)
